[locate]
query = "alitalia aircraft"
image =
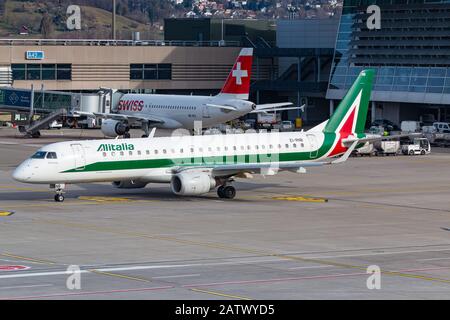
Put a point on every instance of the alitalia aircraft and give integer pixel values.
(195, 165)
(181, 111)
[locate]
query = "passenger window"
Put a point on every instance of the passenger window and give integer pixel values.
(139, 152)
(302, 145)
(192, 149)
(113, 153)
(156, 151)
(51, 155)
(294, 145)
(130, 153)
(121, 153)
(164, 151)
(147, 152)
(256, 147)
(287, 146)
(104, 154)
(181, 150)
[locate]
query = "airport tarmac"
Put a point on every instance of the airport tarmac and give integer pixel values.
(278, 239)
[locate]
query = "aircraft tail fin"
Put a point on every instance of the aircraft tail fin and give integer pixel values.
(237, 84)
(351, 114)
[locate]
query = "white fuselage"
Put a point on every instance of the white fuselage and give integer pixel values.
(154, 159)
(180, 111)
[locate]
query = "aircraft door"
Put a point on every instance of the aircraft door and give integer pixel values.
(314, 146)
(79, 156)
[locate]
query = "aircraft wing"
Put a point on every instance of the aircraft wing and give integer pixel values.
(118, 116)
(274, 109)
(273, 105)
(374, 138)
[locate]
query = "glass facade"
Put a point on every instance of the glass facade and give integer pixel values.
(162, 71)
(410, 53)
(36, 71)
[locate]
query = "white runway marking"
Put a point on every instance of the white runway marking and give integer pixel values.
(30, 286)
(135, 268)
(178, 276)
(311, 267)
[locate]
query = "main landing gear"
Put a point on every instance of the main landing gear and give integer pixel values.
(59, 189)
(226, 192)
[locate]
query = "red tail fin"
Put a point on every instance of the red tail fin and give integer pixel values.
(238, 81)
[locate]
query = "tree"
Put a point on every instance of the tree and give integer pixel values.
(46, 26)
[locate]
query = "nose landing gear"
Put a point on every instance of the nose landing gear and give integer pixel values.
(59, 189)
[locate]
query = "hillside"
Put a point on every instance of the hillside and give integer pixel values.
(96, 22)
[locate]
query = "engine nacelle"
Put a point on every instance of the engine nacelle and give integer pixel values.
(129, 184)
(192, 183)
(114, 128)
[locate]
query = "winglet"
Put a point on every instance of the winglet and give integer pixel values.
(346, 154)
(152, 133)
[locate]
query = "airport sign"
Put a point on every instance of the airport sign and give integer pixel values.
(35, 55)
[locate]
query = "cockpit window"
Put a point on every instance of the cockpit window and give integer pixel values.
(52, 155)
(39, 155)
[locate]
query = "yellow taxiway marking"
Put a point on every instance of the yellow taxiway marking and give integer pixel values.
(105, 199)
(38, 261)
(119, 275)
(301, 199)
(6, 213)
(238, 249)
(221, 294)
(23, 189)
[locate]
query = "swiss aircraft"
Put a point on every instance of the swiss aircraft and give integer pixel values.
(183, 111)
(195, 165)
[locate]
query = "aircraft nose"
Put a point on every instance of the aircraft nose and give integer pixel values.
(21, 174)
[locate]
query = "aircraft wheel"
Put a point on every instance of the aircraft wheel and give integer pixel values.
(220, 192)
(59, 198)
(37, 134)
(127, 135)
(144, 136)
(229, 192)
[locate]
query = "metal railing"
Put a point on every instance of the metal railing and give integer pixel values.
(106, 42)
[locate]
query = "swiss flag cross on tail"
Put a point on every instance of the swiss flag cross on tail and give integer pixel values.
(238, 81)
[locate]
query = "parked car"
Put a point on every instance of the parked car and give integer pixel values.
(286, 126)
(249, 124)
(442, 127)
(55, 125)
(386, 124)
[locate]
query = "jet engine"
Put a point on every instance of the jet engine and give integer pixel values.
(129, 184)
(192, 183)
(114, 128)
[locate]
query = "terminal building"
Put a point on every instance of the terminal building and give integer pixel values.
(410, 53)
(311, 62)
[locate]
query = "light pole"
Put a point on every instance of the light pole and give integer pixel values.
(113, 31)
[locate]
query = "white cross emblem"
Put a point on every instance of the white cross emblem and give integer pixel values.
(239, 74)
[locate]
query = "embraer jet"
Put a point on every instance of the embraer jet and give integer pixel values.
(181, 111)
(195, 165)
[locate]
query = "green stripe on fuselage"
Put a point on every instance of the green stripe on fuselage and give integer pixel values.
(202, 161)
